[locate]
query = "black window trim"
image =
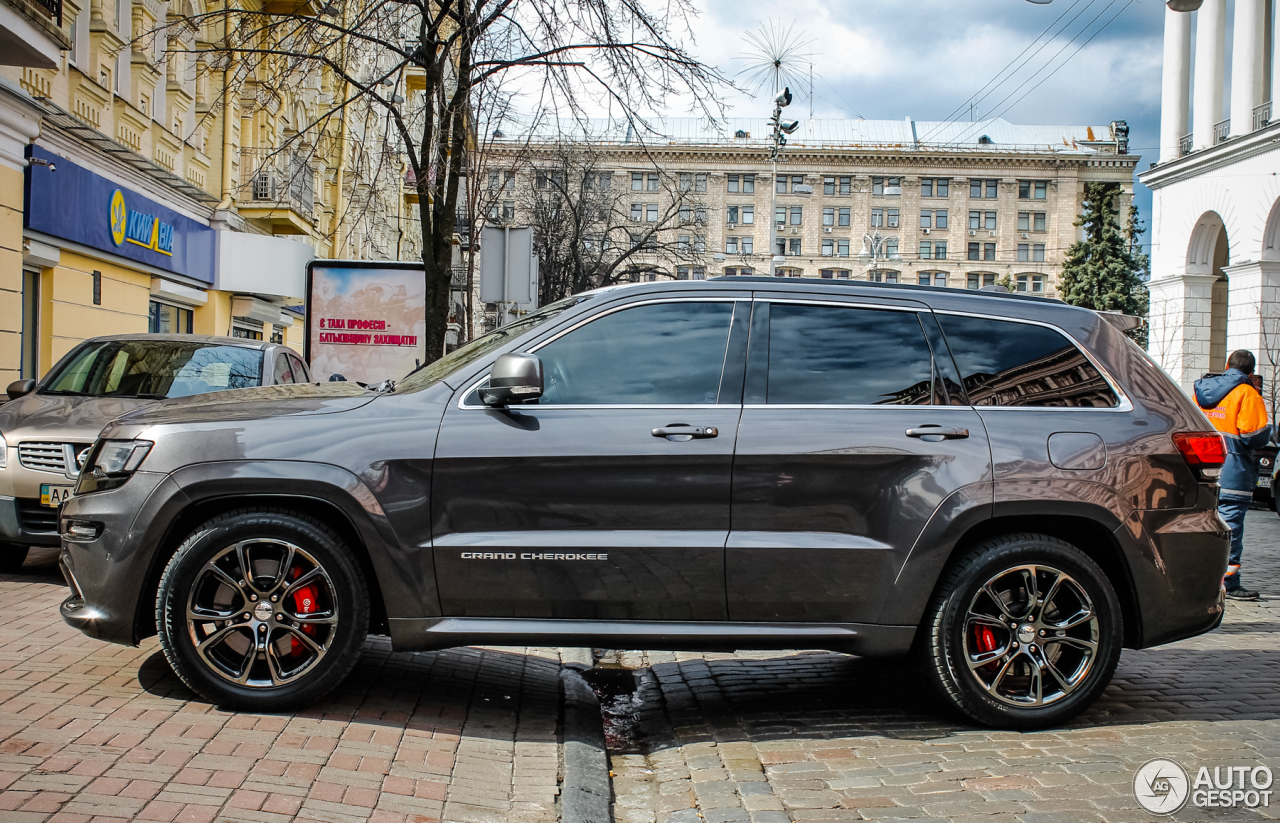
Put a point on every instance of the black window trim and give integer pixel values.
(735, 301)
(1124, 404)
(914, 308)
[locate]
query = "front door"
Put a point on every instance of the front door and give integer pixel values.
(608, 499)
(853, 434)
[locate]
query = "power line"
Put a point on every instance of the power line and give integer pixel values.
(968, 132)
(975, 99)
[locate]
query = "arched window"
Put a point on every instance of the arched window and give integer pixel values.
(883, 276)
(933, 278)
(978, 279)
(1031, 283)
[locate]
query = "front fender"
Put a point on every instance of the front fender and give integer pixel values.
(405, 574)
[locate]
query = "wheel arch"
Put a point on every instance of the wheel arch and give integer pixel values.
(205, 509)
(1087, 533)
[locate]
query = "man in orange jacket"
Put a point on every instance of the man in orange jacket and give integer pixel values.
(1234, 406)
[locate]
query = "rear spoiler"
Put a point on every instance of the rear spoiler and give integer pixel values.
(1122, 322)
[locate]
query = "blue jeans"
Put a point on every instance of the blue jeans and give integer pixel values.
(1233, 510)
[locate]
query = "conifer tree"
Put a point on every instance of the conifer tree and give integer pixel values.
(1104, 271)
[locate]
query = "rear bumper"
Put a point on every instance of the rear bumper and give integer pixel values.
(1177, 558)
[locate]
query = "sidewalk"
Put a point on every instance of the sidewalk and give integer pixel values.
(101, 732)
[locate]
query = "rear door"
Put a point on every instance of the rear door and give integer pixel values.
(854, 432)
(609, 498)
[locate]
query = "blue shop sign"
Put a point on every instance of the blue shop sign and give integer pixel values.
(75, 204)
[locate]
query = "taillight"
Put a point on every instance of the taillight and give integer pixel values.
(1205, 452)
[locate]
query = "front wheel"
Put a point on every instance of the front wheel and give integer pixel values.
(1024, 633)
(262, 610)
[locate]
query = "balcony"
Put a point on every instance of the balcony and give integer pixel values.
(278, 190)
(34, 36)
(1261, 115)
(1220, 131)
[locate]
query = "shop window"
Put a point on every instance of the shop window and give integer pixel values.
(166, 319)
(246, 332)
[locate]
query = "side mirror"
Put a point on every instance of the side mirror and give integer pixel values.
(515, 378)
(19, 388)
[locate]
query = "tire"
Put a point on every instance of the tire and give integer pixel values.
(12, 556)
(310, 636)
(1074, 660)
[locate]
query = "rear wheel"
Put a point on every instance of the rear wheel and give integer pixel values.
(262, 610)
(12, 556)
(1025, 633)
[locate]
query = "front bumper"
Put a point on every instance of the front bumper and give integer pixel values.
(25, 522)
(107, 574)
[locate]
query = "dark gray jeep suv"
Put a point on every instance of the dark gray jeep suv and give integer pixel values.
(1005, 486)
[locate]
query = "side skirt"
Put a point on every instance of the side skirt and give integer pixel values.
(864, 639)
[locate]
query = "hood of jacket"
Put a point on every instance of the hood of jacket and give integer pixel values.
(1210, 391)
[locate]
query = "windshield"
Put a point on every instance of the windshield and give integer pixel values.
(481, 346)
(155, 369)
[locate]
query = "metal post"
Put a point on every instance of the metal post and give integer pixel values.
(773, 208)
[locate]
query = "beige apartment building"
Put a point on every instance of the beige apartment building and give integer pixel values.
(138, 196)
(940, 204)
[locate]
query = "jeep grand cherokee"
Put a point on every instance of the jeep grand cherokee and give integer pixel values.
(1005, 486)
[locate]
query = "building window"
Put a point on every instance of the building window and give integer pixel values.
(829, 216)
(742, 183)
(982, 220)
(682, 244)
(246, 332)
(892, 218)
(975, 220)
(975, 251)
(731, 245)
(780, 246)
(144, 105)
(738, 270)
(780, 185)
(780, 215)
(828, 185)
(984, 189)
(926, 250)
(166, 319)
(926, 219)
(886, 185)
(846, 185)
(935, 186)
(988, 251)
(844, 217)
(882, 276)
(797, 215)
(637, 212)
(939, 249)
(97, 288)
(828, 248)
(651, 213)
(834, 274)
(990, 223)
(787, 271)
(637, 181)
(891, 246)
(794, 249)
(979, 279)
(732, 211)
(1037, 252)
(746, 215)
(699, 244)
(933, 278)
(877, 218)
(1031, 283)
(653, 181)
(693, 182)
(940, 218)
(1024, 252)
(842, 248)
(1033, 189)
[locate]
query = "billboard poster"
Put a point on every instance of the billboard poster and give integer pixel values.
(365, 320)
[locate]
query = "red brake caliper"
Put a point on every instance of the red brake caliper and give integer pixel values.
(983, 638)
(304, 602)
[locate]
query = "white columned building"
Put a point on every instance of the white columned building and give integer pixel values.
(1215, 262)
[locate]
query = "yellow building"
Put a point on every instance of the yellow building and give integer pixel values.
(136, 195)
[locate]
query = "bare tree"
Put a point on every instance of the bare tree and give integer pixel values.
(411, 70)
(590, 227)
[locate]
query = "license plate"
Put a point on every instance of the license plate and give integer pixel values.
(1264, 482)
(54, 496)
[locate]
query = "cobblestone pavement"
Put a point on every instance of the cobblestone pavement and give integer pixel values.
(90, 731)
(778, 736)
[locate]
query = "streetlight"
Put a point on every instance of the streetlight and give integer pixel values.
(876, 244)
(781, 128)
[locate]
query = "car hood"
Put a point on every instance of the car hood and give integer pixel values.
(252, 404)
(62, 418)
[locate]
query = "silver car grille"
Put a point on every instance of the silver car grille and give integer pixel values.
(50, 457)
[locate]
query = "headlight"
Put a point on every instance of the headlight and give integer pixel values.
(111, 463)
(4, 451)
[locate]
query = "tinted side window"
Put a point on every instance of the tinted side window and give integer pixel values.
(832, 355)
(284, 370)
(1016, 364)
(300, 374)
(660, 353)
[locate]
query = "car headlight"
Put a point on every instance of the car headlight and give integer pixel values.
(4, 451)
(111, 463)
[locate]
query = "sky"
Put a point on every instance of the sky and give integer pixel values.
(890, 59)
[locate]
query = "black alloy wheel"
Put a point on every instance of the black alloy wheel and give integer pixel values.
(1024, 633)
(262, 609)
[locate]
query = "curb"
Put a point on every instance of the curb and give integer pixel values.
(587, 792)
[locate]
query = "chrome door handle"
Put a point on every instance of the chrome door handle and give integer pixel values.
(939, 432)
(680, 431)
